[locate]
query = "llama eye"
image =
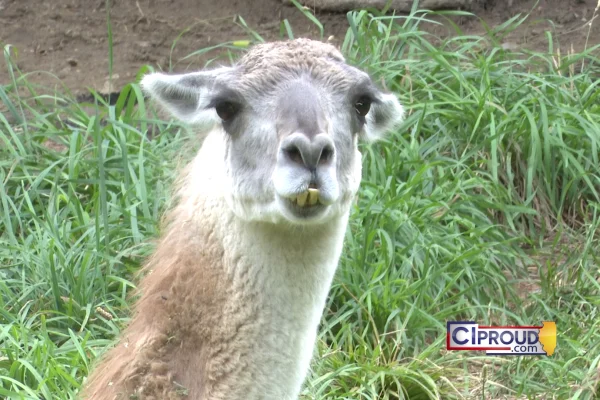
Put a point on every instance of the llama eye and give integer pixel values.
(226, 110)
(362, 106)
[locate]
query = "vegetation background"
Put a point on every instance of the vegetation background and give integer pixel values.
(484, 206)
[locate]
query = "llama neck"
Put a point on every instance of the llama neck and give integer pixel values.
(279, 278)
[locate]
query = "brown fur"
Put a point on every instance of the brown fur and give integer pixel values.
(178, 318)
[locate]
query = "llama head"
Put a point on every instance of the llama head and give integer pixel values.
(290, 115)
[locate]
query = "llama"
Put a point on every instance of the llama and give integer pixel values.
(232, 297)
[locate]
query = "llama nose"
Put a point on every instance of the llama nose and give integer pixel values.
(308, 151)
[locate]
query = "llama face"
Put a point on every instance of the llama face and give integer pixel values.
(290, 114)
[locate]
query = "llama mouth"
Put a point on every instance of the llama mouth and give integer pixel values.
(308, 199)
(305, 207)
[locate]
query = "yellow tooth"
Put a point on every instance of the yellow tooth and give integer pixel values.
(301, 199)
(313, 196)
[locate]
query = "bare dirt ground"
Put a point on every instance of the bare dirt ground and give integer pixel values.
(69, 39)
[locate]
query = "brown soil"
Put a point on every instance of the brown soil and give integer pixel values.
(69, 37)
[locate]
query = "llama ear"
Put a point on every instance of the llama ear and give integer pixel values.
(385, 115)
(186, 96)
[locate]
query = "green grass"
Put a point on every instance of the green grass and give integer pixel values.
(484, 205)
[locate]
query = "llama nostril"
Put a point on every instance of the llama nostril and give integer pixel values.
(294, 154)
(326, 155)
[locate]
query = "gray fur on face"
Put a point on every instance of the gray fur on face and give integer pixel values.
(295, 123)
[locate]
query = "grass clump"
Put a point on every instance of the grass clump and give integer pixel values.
(483, 206)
